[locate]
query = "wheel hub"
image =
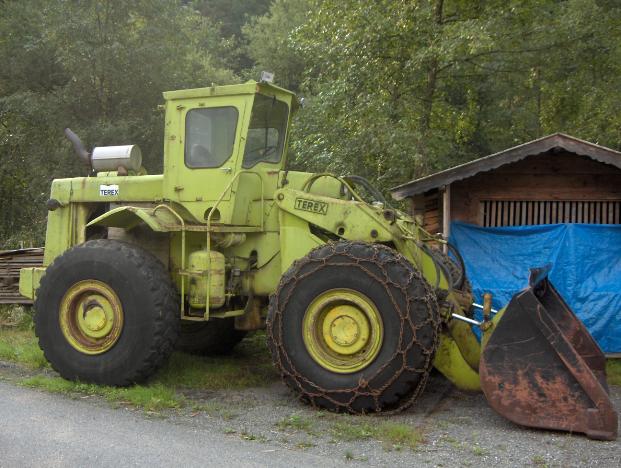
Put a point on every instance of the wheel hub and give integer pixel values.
(91, 317)
(346, 329)
(97, 316)
(95, 319)
(343, 330)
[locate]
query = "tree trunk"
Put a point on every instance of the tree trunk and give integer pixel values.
(432, 74)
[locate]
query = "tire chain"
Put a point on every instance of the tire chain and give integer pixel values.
(386, 260)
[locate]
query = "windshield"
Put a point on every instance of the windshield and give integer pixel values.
(266, 135)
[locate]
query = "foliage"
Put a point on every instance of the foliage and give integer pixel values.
(99, 68)
(395, 88)
(231, 15)
(271, 45)
(400, 88)
(17, 340)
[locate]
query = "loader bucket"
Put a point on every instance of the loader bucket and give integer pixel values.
(541, 367)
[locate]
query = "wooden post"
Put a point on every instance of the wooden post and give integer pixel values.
(417, 205)
(446, 213)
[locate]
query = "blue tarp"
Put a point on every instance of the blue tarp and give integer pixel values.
(586, 268)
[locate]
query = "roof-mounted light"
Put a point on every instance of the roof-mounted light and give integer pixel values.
(267, 77)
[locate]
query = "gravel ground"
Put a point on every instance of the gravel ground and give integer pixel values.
(459, 430)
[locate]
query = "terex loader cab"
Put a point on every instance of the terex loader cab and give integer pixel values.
(225, 148)
(357, 303)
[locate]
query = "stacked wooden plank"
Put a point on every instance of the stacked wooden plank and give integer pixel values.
(11, 261)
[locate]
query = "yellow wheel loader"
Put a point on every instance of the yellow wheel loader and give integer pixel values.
(358, 305)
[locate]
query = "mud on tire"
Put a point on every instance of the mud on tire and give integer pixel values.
(149, 305)
(409, 314)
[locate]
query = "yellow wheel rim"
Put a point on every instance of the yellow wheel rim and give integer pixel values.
(91, 317)
(343, 330)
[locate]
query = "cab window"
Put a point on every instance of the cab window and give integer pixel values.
(209, 136)
(267, 131)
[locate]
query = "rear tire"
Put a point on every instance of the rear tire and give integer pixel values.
(217, 336)
(107, 313)
(336, 296)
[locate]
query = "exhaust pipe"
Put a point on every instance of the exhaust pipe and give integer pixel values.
(79, 148)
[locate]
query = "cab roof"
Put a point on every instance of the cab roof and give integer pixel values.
(250, 87)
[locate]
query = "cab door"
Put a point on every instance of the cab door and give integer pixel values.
(203, 141)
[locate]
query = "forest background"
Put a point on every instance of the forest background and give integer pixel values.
(395, 89)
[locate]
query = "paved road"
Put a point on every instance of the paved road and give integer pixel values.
(44, 430)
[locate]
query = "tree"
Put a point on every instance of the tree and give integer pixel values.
(99, 68)
(396, 89)
(403, 88)
(230, 17)
(271, 45)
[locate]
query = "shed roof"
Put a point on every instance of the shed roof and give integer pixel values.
(556, 141)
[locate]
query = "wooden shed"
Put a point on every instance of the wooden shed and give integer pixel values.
(555, 179)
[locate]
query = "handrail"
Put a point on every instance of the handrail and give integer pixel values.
(211, 212)
(182, 222)
(311, 180)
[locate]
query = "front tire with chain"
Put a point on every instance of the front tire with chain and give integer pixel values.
(354, 327)
(106, 312)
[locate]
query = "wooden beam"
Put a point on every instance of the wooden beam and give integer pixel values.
(446, 212)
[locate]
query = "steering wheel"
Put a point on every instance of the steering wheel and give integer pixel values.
(259, 154)
(199, 155)
(269, 149)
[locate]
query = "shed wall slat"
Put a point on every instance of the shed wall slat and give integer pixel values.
(496, 213)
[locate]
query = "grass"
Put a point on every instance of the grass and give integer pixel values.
(349, 456)
(613, 372)
(479, 451)
(152, 398)
(245, 435)
(453, 442)
(12, 316)
(538, 460)
(400, 435)
(349, 428)
(22, 347)
(392, 435)
(248, 366)
(17, 340)
(216, 408)
(296, 423)
(161, 392)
